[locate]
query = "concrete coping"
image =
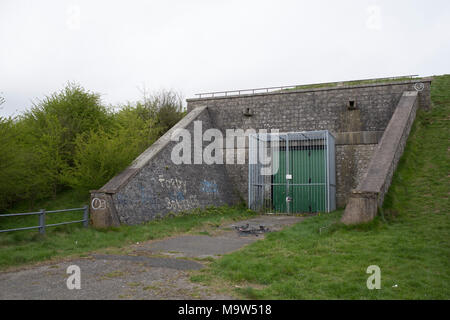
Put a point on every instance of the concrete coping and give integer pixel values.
(383, 158)
(290, 91)
(355, 193)
(364, 201)
(165, 139)
(113, 185)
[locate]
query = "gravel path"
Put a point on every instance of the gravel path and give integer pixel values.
(156, 269)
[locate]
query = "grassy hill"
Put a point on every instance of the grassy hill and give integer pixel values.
(315, 259)
(409, 241)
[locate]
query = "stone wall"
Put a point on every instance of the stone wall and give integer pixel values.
(351, 164)
(313, 109)
(153, 185)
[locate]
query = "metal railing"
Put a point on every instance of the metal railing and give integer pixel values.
(42, 214)
(280, 88)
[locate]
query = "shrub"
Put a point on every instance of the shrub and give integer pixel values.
(74, 110)
(99, 156)
(12, 164)
(70, 140)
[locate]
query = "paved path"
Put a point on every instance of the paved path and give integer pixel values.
(156, 269)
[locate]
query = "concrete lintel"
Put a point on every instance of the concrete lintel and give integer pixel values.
(342, 138)
(358, 137)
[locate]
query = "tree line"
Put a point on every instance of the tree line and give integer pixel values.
(70, 140)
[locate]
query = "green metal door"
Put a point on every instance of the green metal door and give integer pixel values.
(307, 188)
(279, 188)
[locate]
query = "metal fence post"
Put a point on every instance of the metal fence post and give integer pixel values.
(86, 217)
(42, 221)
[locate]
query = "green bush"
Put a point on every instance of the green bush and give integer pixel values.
(168, 110)
(70, 140)
(74, 110)
(99, 156)
(13, 164)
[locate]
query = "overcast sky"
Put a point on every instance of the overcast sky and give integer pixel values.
(116, 47)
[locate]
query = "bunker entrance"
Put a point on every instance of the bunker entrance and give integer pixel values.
(292, 172)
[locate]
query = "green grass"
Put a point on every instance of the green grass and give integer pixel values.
(322, 259)
(24, 247)
(315, 259)
(65, 200)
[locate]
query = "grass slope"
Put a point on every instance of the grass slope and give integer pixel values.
(410, 242)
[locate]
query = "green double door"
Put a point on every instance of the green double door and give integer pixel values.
(306, 190)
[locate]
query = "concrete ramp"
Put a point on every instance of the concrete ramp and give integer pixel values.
(364, 201)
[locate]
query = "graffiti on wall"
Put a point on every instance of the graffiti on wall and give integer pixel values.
(209, 187)
(177, 198)
(173, 196)
(97, 204)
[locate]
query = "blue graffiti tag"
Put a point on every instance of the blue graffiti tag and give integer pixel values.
(147, 196)
(209, 187)
(122, 200)
(176, 196)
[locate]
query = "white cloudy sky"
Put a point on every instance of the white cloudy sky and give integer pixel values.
(116, 47)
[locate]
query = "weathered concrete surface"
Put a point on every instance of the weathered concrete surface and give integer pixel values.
(103, 211)
(143, 271)
(102, 279)
(361, 207)
(358, 137)
(369, 194)
(154, 185)
(351, 165)
(177, 264)
(202, 246)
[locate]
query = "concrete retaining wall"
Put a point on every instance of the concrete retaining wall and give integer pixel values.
(313, 109)
(357, 131)
(153, 185)
(369, 194)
